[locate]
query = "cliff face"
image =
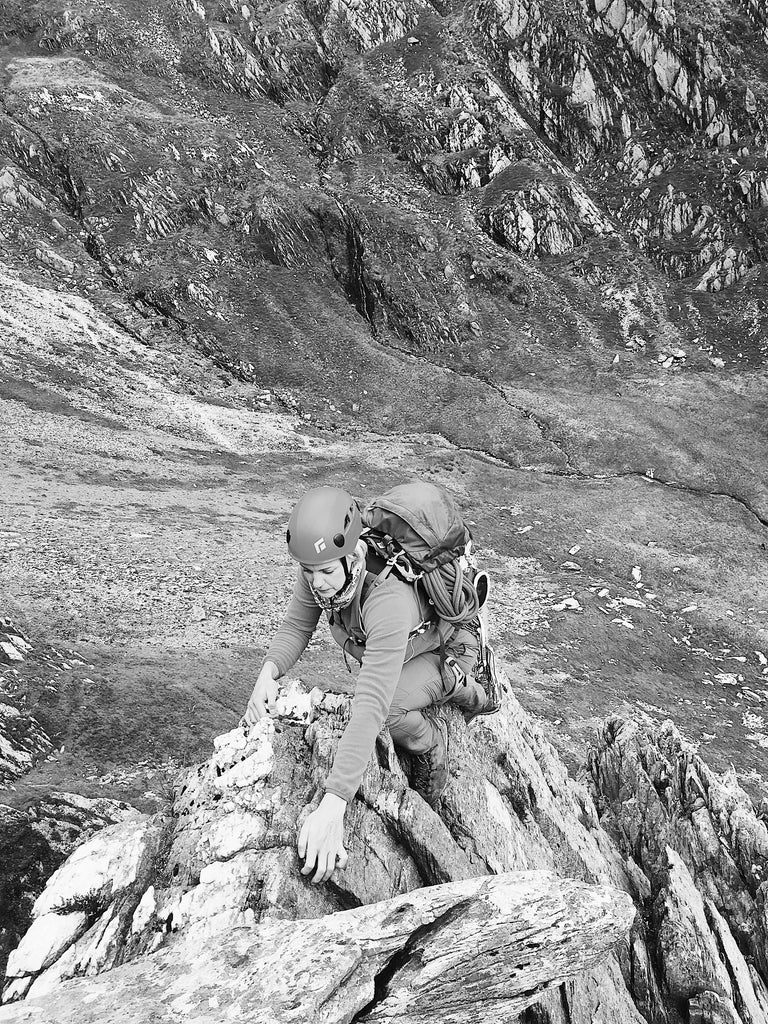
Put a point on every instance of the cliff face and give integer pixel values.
(496, 215)
(462, 177)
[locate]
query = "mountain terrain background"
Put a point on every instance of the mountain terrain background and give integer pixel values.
(516, 248)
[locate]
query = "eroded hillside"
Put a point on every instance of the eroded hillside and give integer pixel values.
(471, 218)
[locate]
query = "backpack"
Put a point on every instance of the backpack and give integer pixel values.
(419, 532)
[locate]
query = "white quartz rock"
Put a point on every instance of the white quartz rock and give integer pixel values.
(47, 938)
(296, 703)
(252, 769)
(88, 956)
(232, 832)
(218, 901)
(142, 915)
(109, 861)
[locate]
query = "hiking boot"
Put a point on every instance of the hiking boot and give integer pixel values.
(430, 769)
(487, 676)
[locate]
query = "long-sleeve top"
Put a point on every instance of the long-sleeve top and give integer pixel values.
(377, 635)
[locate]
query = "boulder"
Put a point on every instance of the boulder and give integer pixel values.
(34, 842)
(488, 945)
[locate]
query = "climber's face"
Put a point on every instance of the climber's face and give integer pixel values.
(326, 579)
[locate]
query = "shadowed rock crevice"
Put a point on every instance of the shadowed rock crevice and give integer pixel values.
(411, 954)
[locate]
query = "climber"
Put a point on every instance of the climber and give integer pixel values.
(402, 679)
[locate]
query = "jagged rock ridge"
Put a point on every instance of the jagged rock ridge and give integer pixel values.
(225, 859)
(700, 854)
(229, 849)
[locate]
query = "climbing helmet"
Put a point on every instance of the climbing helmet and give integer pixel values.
(325, 525)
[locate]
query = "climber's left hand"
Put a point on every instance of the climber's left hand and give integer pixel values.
(321, 839)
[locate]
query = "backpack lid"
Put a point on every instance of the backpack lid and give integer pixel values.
(424, 521)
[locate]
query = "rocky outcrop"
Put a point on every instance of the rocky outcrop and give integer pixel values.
(699, 853)
(75, 926)
(540, 216)
(486, 946)
(33, 844)
(758, 11)
(688, 230)
(13, 643)
(23, 741)
(220, 870)
(463, 133)
(590, 79)
(225, 857)
(554, 69)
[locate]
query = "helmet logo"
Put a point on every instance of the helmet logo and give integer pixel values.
(320, 545)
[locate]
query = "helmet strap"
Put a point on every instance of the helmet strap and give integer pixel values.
(347, 571)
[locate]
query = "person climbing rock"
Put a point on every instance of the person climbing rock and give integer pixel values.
(410, 663)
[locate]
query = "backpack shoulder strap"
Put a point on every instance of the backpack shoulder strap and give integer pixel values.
(370, 581)
(356, 625)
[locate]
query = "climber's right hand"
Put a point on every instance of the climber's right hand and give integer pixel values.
(262, 701)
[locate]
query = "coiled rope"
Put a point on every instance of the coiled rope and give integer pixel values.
(451, 592)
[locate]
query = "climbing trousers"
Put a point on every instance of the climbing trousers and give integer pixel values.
(424, 684)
